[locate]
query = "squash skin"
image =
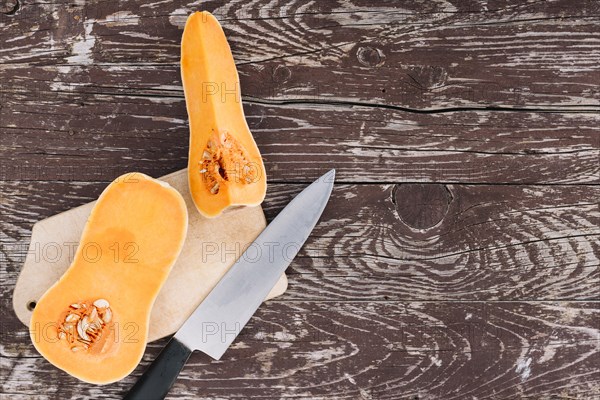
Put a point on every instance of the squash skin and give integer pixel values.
(132, 209)
(214, 106)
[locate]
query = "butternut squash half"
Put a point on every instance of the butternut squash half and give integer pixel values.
(93, 322)
(225, 167)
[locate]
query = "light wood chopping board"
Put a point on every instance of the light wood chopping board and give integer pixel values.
(210, 249)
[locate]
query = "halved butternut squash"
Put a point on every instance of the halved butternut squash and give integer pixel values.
(225, 167)
(93, 322)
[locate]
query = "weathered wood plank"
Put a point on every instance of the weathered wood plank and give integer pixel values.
(421, 55)
(401, 242)
(133, 105)
(90, 137)
(371, 350)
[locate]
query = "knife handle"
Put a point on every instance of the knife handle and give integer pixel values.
(161, 374)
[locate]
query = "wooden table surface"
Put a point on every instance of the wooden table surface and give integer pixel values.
(459, 255)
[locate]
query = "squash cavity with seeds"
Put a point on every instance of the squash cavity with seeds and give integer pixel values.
(225, 167)
(93, 323)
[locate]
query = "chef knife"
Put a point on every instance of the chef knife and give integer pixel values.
(218, 320)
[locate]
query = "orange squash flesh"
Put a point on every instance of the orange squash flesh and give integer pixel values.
(225, 167)
(131, 240)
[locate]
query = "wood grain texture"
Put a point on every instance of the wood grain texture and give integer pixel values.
(493, 242)
(106, 86)
(94, 138)
(373, 350)
(424, 54)
(383, 281)
(459, 257)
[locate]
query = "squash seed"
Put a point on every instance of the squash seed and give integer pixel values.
(107, 317)
(72, 318)
(101, 303)
(82, 327)
(62, 335)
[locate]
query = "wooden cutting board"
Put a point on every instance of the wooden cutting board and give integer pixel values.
(210, 249)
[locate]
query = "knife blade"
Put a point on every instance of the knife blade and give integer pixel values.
(218, 320)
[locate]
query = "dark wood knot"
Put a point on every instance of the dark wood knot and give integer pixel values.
(9, 7)
(370, 56)
(281, 73)
(428, 77)
(421, 206)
